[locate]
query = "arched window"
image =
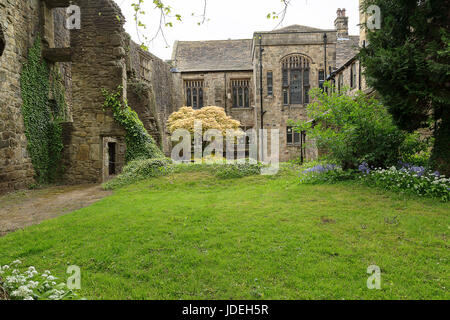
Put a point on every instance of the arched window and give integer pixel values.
(2, 41)
(295, 79)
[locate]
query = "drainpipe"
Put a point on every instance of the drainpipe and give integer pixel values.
(261, 50)
(325, 40)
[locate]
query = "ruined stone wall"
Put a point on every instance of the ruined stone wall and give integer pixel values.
(19, 21)
(154, 92)
(98, 62)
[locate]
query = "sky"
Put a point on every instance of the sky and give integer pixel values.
(233, 19)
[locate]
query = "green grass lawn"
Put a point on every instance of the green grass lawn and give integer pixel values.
(191, 236)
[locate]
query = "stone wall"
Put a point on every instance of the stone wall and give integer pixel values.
(98, 62)
(154, 92)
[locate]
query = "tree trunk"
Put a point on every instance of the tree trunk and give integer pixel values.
(441, 150)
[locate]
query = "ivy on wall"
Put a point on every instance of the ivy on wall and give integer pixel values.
(42, 116)
(140, 145)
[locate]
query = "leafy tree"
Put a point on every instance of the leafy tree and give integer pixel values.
(210, 117)
(357, 129)
(408, 62)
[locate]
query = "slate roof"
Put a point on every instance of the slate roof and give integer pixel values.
(216, 55)
(296, 28)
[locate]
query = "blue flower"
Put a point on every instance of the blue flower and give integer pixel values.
(364, 168)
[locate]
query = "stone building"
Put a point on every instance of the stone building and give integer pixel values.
(294, 60)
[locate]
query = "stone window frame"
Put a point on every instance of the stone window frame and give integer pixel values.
(269, 76)
(353, 76)
(293, 134)
(321, 78)
(340, 82)
(145, 67)
(300, 64)
(194, 91)
(240, 93)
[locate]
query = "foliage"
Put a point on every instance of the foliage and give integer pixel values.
(210, 117)
(409, 179)
(42, 122)
(30, 285)
(192, 236)
(353, 129)
(237, 170)
(139, 170)
(140, 145)
(408, 62)
(324, 173)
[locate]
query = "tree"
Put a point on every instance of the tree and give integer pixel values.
(408, 62)
(355, 129)
(211, 118)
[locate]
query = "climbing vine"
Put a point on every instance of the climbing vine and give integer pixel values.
(41, 115)
(140, 145)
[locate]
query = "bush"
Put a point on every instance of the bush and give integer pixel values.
(237, 170)
(31, 285)
(211, 117)
(408, 179)
(324, 173)
(353, 129)
(139, 170)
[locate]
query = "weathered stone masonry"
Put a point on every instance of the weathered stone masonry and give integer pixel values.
(99, 55)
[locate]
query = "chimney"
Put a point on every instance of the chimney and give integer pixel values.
(341, 24)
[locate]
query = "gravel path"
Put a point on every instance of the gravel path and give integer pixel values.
(25, 208)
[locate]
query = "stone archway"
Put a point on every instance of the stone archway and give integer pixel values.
(2, 41)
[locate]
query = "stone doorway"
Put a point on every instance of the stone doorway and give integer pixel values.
(113, 156)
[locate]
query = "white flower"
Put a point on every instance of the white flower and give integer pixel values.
(51, 278)
(16, 262)
(23, 291)
(32, 284)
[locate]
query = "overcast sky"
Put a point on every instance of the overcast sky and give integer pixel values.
(235, 19)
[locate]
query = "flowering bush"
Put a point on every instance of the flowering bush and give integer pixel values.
(408, 178)
(211, 118)
(325, 172)
(16, 284)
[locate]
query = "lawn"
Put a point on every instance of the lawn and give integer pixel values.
(192, 236)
